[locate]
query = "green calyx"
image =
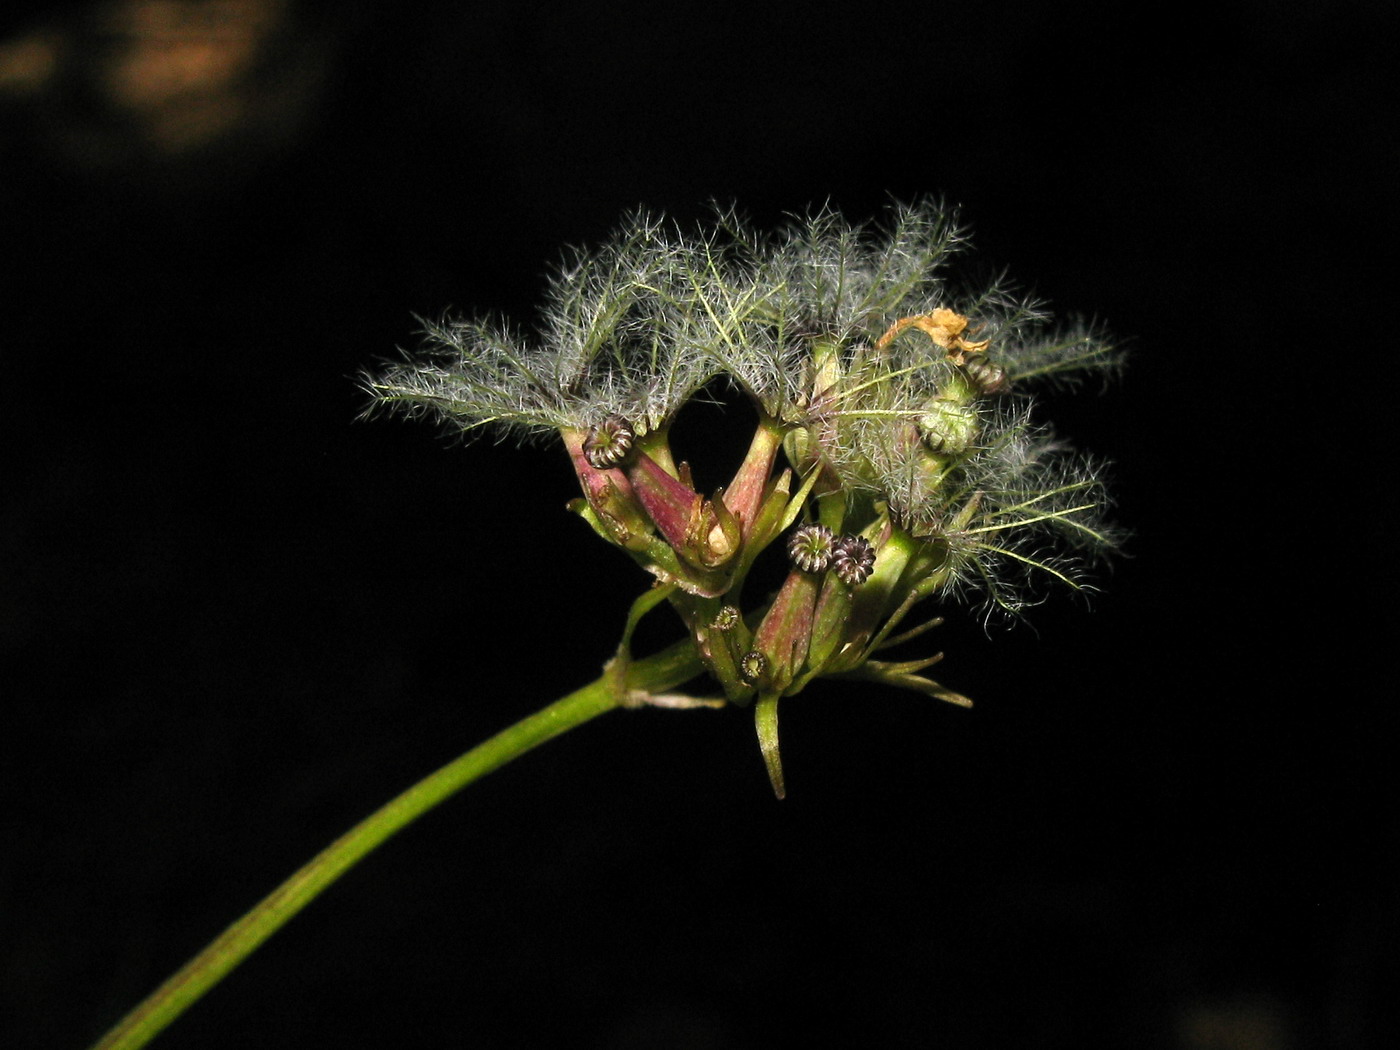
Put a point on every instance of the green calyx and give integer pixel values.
(844, 594)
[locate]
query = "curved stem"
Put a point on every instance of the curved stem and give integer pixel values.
(665, 670)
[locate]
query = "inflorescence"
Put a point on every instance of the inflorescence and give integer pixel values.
(894, 442)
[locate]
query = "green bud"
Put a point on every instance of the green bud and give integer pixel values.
(784, 635)
(948, 427)
(754, 667)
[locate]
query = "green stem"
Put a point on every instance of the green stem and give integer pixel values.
(665, 670)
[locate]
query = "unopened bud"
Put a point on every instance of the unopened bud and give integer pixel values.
(811, 548)
(853, 559)
(753, 666)
(608, 443)
(948, 427)
(986, 375)
(726, 619)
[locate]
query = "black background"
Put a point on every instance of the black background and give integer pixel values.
(234, 619)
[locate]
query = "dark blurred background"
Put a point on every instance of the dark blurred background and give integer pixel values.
(234, 619)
